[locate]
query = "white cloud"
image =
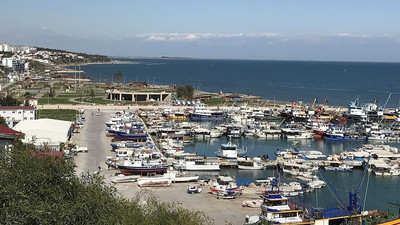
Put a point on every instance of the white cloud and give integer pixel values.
(197, 36)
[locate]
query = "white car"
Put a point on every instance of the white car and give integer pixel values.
(77, 149)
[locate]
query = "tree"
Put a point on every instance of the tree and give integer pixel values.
(9, 101)
(36, 189)
(189, 91)
(3, 122)
(92, 93)
(185, 92)
(52, 93)
(118, 76)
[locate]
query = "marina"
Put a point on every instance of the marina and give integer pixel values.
(297, 161)
(202, 113)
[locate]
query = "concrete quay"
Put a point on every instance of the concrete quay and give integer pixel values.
(93, 135)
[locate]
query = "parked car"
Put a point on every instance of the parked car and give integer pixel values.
(77, 149)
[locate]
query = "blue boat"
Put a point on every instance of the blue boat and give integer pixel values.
(344, 138)
(122, 136)
(338, 134)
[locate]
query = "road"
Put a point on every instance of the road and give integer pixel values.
(93, 135)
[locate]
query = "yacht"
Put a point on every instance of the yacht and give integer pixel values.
(200, 112)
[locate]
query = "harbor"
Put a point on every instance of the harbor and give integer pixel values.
(163, 143)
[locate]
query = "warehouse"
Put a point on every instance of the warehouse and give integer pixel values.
(45, 132)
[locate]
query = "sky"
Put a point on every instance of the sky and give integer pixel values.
(340, 30)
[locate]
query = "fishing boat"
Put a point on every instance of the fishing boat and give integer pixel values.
(124, 137)
(141, 167)
(340, 135)
(124, 144)
(230, 151)
(276, 210)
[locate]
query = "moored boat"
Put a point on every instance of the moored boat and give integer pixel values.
(128, 167)
(154, 181)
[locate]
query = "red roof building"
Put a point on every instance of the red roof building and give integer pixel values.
(8, 133)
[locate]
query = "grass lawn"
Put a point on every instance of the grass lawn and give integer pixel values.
(59, 99)
(215, 101)
(59, 114)
(97, 100)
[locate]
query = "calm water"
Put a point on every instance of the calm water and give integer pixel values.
(340, 82)
(381, 190)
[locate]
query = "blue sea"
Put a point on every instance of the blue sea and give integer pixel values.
(339, 82)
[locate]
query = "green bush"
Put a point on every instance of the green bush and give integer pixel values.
(45, 190)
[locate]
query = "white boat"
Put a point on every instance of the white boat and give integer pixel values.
(154, 181)
(215, 133)
(120, 178)
(224, 184)
(338, 166)
(235, 132)
(181, 176)
(255, 165)
(312, 181)
(123, 153)
(384, 171)
(299, 134)
(276, 210)
(260, 134)
(201, 133)
(194, 189)
(312, 154)
(197, 164)
(229, 151)
(200, 112)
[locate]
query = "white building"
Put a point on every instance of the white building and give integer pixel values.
(13, 77)
(14, 63)
(45, 132)
(17, 114)
(6, 47)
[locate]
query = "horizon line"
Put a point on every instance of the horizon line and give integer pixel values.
(242, 59)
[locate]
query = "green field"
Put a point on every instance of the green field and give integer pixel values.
(59, 99)
(59, 114)
(215, 101)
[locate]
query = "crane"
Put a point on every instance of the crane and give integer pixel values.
(353, 195)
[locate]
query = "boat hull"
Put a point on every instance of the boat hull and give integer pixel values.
(195, 116)
(154, 182)
(127, 170)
